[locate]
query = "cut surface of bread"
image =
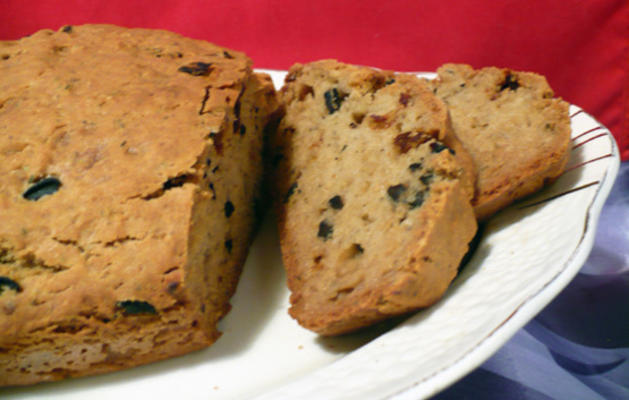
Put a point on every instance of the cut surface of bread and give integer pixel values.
(516, 131)
(374, 215)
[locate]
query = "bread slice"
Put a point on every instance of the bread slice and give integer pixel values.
(516, 131)
(374, 214)
(130, 163)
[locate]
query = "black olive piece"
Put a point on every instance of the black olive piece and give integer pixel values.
(211, 187)
(196, 68)
(42, 188)
(227, 55)
(336, 202)
(67, 29)
(9, 284)
(325, 230)
(229, 208)
(135, 307)
(427, 178)
(390, 81)
(396, 191)
(243, 129)
(290, 192)
(510, 83)
(229, 245)
(332, 100)
(415, 166)
(438, 147)
(418, 201)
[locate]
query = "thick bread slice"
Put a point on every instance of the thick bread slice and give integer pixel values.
(516, 131)
(374, 217)
(130, 163)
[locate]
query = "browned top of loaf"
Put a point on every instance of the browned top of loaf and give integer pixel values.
(117, 116)
(374, 218)
(516, 131)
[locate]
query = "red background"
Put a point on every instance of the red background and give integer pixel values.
(580, 46)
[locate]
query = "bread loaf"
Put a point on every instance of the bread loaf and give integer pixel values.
(131, 160)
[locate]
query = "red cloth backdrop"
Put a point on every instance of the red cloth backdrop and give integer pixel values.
(580, 46)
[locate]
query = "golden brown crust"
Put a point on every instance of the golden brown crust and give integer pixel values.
(516, 131)
(372, 208)
(155, 142)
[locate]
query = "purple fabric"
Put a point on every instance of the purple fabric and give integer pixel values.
(578, 346)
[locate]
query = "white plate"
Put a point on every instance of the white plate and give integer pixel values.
(525, 257)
